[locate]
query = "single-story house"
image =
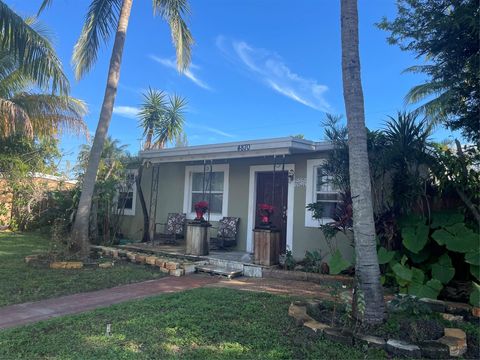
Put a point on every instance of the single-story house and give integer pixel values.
(234, 178)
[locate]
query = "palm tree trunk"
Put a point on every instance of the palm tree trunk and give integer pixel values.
(148, 140)
(146, 221)
(80, 227)
(366, 267)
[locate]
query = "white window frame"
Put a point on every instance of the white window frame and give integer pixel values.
(187, 193)
(311, 193)
(131, 212)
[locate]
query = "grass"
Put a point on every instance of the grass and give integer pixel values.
(21, 283)
(206, 323)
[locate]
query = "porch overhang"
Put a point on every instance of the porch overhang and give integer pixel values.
(235, 150)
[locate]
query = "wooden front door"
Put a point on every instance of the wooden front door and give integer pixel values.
(276, 195)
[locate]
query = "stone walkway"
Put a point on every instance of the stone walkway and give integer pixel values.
(26, 313)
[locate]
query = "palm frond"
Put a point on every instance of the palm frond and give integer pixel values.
(45, 4)
(420, 92)
(100, 22)
(172, 123)
(419, 69)
(173, 12)
(12, 79)
(52, 114)
(14, 120)
(33, 52)
(152, 110)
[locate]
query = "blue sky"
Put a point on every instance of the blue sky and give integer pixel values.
(261, 68)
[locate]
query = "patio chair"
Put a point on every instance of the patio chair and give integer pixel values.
(226, 234)
(173, 229)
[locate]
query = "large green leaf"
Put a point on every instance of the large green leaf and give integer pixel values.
(446, 218)
(337, 263)
(457, 238)
(443, 270)
(473, 257)
(475, 271)
(429, 290)
(442, 237)
(475, 295)
(415, 238)
(384, 255)
(422, 255)
(418, 276)
(403, 274)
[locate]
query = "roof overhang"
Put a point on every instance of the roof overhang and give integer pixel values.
(235, 150)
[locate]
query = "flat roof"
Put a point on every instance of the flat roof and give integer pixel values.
(238, 149)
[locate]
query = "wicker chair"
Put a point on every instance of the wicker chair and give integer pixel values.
(226, 234)
(173, 229)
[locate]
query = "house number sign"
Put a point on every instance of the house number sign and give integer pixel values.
(245, 147)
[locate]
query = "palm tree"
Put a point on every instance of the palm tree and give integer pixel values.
(34, 114)
(366, 267)
(162, 121)
(31, 50)
(102, 18)
(27, 61)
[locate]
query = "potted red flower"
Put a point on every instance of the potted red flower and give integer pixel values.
(201, 208)
(265, 211)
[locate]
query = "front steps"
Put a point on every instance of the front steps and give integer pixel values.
(229, 272)
(225, 264)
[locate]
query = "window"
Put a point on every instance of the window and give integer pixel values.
(198, 186)
(320, 189)
(325, 194)
(127, 194)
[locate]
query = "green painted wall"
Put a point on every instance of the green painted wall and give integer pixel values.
(170, 199)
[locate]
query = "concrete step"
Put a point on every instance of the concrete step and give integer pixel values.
(227, 271)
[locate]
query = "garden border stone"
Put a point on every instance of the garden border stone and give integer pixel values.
(169, 266)
(452, 344)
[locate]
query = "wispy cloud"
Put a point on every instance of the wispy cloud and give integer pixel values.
(169, 63)
(270, 68)
(209, 129)
(126, 111)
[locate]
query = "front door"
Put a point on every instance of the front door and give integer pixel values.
(276, 195)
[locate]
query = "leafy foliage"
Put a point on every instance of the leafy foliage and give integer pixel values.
(20, 159)
(161, 118)
(313, 261)
(33, 53)
(111, 180)
(28, 60)
(338, 263)
(444, 34)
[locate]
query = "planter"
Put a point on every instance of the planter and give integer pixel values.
(197, 238)
(266, 246)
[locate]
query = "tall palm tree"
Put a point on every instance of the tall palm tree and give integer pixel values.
(102, 18)
(162, 120)
(366, 267)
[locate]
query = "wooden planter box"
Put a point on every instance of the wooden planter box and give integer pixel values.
(197, 239)
(266, 244)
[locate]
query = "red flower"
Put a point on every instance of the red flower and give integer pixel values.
(265, 209)
(201, 206)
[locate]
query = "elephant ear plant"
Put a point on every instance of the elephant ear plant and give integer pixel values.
(424, 266)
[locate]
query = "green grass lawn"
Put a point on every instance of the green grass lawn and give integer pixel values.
(21, 283)
(206, 323)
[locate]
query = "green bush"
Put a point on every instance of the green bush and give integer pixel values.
(424, 265)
